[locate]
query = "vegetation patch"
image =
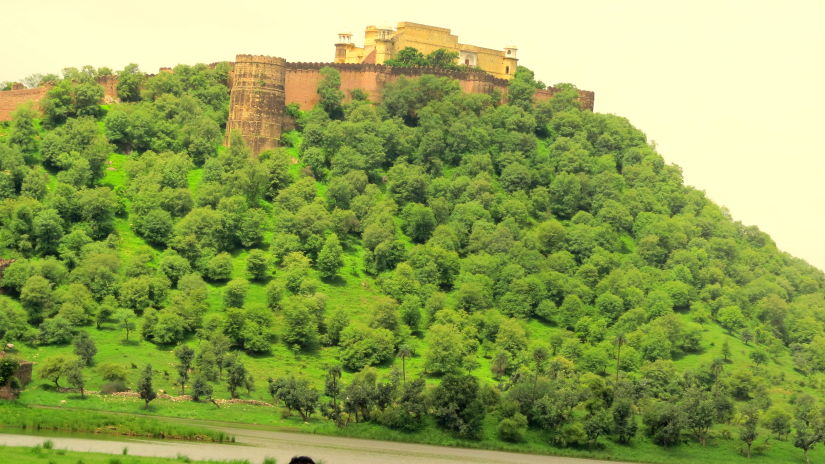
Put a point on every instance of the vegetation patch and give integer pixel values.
(438, 267)
(21, 417)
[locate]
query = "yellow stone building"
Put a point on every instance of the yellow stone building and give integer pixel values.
(381, 44)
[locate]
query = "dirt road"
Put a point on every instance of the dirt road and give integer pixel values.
(254, 445)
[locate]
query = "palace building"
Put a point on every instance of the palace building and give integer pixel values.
(382, 43)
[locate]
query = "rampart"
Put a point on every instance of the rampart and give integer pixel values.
(262, 86)
(302, 80)
(11, 99)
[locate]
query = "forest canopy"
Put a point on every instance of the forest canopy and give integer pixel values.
(459, 257)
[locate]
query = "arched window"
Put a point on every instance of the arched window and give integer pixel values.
(467, 61)
(506, 70)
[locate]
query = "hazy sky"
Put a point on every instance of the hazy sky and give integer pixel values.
(731, 91)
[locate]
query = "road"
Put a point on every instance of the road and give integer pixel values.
(254, 445)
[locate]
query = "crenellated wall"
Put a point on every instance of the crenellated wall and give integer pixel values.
(11, 99)
(262, 86)
(302, 80)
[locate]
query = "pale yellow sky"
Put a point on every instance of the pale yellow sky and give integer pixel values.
(732, 91)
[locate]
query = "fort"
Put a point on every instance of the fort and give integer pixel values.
(261, 87)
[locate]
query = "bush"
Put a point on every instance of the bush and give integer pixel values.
(364, 346)
(107, 388)
(512, 428)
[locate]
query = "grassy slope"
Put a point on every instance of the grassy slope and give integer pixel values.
(353, 292)
(40, 455)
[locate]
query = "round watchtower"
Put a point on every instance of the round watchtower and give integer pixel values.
(256, 101)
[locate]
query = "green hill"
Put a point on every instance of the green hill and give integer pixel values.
(435, 267)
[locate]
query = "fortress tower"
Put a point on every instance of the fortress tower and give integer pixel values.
(256, 108)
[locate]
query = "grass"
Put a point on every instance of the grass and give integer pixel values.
(44, 455)
(21, 417)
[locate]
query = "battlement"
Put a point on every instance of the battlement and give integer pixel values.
(260, 59)
(468, 74)
(262, 86)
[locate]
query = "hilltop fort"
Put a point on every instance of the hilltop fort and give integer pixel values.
(262, 86)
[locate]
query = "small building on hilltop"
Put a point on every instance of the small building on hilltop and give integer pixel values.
(383, 43)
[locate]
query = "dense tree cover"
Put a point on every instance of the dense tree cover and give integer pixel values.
(543, 264)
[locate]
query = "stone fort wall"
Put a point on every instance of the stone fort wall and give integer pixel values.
(262, 86)
(11, 99)
(302, 80)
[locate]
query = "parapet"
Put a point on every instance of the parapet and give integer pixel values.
(462, 74)
(260, 59)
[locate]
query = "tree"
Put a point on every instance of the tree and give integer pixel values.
(407, 57)
(624, 422)
(235, 292)
(747, 335)
(56, 331)
(664, 422)
(125, 320)
(144, 386)
(513, 424)
(55, 367)
(457, 407)
(236, 376)
(758, 356)
(332, 388)
(809, 425)
(219, 267)
(329, 258)
(74, 375)
(329, 91)
(155, 226)
(699, 413)
(297, 394)
(747, 429)
(300, 327)
(85, 348)
(442, 58)
(36, 297)
(201, 388)
(185, 357)
(364, 346)
(69, 99)
(23, 134)
(447, 348)
(129, 81)
(596, 424)
(257, 264)
(778, 421)
(404, 352)
(731, 318)
(418, 222)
